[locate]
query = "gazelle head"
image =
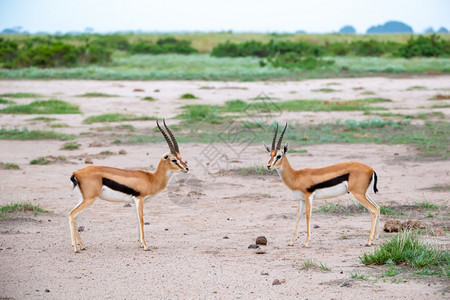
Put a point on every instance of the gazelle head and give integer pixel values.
(173, 159)
(276, 155)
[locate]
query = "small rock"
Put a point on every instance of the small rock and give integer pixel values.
(276, 282)
(260, 251)
(253, 246)
(95, 144)
(167, 229)
(316, 226)
(261, 240)
(138, 90)
(225, 238)
(346, 283)
(283, 280)
(392, 226)
(146, 223)
(127, 205)
(81, 229)
(264, 273)
(156, 91)
(88, 160)
(123, 152)
(47, 290)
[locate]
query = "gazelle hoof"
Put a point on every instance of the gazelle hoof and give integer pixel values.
(147, 249)
(290, 244)
(77, 251)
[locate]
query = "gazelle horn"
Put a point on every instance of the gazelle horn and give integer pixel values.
(274, 137)
(174, 141)
(281, 137)
(172, 149)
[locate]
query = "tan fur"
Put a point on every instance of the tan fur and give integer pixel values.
(360, 177)
(146, 183)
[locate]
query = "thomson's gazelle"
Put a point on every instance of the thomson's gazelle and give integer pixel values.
(332, 181)
(113, 184)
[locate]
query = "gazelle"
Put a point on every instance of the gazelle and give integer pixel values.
(321, 183)
(120, 185)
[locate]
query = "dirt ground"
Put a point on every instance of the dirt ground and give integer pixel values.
(200, 227)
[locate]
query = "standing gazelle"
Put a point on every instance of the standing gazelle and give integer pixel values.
(119, 185)
(321, 183)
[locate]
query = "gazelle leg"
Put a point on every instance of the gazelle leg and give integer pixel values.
(374, 210)
(376, 233)
(300, 211)
(308, 219)
(140, 215)
(72, 221)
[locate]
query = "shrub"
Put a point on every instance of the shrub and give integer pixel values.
(292, 60)
(425, 46)
(8, 52)
(43, 107)
(368, 48)
(163, 46)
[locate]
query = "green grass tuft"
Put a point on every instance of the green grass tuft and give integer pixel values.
(96, 95)
(39, 161)
(45, 119)
(201, 114)
(71, 146)
(325, 90)
(8, 102)
(406, 249)
(116, 117)
(9, 166)
(20, 95)
(188, 96)
(13, 207)
(148, 98)
(43, 107)
(427, 205)
(25, 134)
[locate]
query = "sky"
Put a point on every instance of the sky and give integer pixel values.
(312, 16)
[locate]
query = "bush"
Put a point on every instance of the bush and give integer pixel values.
(292, 60)
(8, 52)
(425, 46)
(163, 46)
(368, 48)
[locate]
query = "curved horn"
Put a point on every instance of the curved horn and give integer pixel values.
(281, 137)
(174, 141)
(172, 150)
(274, 137)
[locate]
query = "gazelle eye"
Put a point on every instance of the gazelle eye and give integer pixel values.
(174, 160)
(278, 156)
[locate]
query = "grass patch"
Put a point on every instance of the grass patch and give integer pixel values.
(59, 125)
(406, 249)
(417, 88)
(96, 95)
(70, 146)
(13, 207)
(427, 205)
(149, 99)
(254, 170)
(311, 264)
(9, 166)
(25, 134)
(116, 117)
(388, 211)
(188, 96)
(320, 105)
(359, 276)
(39, 161)
(8, 102)
(20, 95)
(45, 119)
(43, 107)
(201, 114)
(325, 90)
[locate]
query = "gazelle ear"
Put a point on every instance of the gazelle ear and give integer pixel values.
(267, 148)
(286, 148)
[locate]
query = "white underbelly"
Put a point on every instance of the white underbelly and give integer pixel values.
(115, 196)
(334, 191)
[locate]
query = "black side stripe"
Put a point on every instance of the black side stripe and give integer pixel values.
(74, 180)
(119, 187)
(329, 183)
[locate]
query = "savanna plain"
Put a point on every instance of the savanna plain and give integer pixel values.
(199, 229)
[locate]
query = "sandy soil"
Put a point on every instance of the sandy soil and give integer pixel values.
(200, 227)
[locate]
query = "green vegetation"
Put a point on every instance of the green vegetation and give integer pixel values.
(116, 118)
(406, 249)
(388, 211)
(39, 161)
(440, 97)
(148, 98)
(13, 207)
(325, 90)
(59, 125)
(45, 119)
(427, 205)
(163, 45)
(20, 95)
(201, 113)
(25, 134)
(255, 170)
(9, 166)
(188, 96)
(320, 105)
(71, 146)
(96, 95)
(311, 264)
(43, 107)
(8, 102)
(359, 276)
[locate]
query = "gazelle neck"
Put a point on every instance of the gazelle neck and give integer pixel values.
(162, 173)
(286, 173)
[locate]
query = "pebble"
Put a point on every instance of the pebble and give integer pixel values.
(260, 251)
(346, 283)
(264, 273)
(88, 160)
(123, 152)
(47, 290)
(81, 229)
(261, 240)
(253, 246)
(316, 226)
(225, 238)
(276, 282)
(127, 205)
